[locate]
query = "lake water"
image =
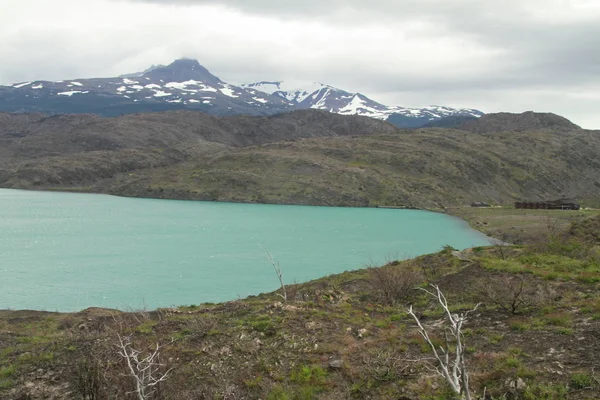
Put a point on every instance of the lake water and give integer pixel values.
(67, 252)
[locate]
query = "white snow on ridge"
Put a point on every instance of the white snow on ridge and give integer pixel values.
(184, 85)
(357, 106)
(20, 85)
(227, 91)
(77, 83)
(295, 92)
(129, 81)
(194, 101)
(71, 93)
(40, 86)
(160, 93)
(260, 100)
(153, 86)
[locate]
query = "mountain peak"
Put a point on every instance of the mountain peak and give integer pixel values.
(181, 70)
(185, 63)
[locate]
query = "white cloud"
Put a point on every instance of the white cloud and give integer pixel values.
(523, 54)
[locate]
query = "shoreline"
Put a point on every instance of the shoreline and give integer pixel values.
(464, 214)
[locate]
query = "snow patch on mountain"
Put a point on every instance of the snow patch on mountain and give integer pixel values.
(228, 91)
(294, 92)
(20, 85)
(160, 93)
(71, 93)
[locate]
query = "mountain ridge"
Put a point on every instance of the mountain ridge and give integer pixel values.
(186, 84)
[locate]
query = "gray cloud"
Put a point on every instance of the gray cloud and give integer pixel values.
(514, 55)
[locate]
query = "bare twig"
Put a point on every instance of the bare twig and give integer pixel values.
(451, 367)
(275, 265)
(144, 370)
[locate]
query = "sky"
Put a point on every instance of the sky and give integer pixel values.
(509, 55)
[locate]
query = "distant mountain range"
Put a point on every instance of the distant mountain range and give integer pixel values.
(185, 84)
(324, 97)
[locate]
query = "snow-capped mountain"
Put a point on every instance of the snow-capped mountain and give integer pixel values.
(185, 84)
(325, 97)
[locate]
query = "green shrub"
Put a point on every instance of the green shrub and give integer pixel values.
(545, 392)
(581, 381)
(7, 372)
(309, 374)
(278, 393)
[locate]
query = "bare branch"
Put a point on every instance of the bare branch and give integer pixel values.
(453, 371)
(145, 372)
(275, 265)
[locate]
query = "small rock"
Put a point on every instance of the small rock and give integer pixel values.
(225, 351)
(518, 384)
(362, 332)
(310, 325)
(336, 364)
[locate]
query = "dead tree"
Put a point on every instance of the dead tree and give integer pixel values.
(145, 370)
(275, 265)
(452, 367)
(513, 293)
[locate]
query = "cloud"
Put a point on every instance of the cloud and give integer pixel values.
(513, 55)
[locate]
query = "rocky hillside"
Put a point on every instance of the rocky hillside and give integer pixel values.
(506, 122)
(304, 157)
(428, 168)
(69, 150)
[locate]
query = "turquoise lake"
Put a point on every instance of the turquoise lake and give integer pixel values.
(67, 252)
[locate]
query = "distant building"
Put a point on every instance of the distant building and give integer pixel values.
(563, 204)
(479, 204)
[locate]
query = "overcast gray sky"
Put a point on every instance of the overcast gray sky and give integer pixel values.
(509, 55)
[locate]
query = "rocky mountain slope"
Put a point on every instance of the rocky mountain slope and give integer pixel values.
(37, 150)
(427, 168)
(185, 84)
(304, 157)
